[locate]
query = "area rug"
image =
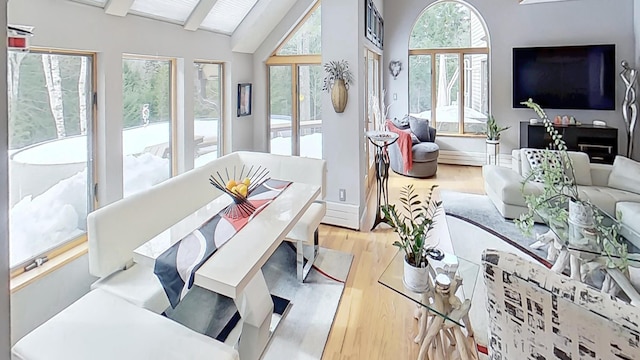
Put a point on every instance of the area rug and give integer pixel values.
(468, 241)
(480, 211)
(304, 329)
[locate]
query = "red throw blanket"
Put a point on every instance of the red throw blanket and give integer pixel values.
(405, 144)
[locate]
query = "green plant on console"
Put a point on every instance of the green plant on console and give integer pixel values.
(413, 224)
(557, 175)
(493, 130)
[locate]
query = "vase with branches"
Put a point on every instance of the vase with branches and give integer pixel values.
(337, 80)
(560, 204)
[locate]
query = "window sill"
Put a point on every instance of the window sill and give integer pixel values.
(24, 279)
(461, 135)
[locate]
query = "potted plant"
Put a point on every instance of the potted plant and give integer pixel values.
(412, 225)
(561, 204)
(337, 81)
(493, 140)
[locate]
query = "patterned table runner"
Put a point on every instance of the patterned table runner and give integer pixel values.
(177, 266)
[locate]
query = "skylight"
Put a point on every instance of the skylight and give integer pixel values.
(226, 15)
(177, 10)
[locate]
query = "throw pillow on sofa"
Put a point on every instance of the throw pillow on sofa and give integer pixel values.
(625, 175)
(420, 127)
(401, 124)
(536, 157)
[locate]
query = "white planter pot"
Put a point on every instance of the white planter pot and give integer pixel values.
(416, 279)
(580, 214)
(493, 152)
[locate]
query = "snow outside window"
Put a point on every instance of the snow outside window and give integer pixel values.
(146, 135)
(50, 119)
(207, 112)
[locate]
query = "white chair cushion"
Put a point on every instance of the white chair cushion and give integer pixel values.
(138, 285)
(100, 326)
(308, 223)
(625, 175)
(630, 214)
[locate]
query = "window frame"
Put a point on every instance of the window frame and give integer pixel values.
(294, 61)
(461, 52)
(223, 99)
(92, 168)
(173, 103)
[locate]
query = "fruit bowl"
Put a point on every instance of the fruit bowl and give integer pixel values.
(239, 186)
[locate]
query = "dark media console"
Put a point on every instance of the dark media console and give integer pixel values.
(599, 142)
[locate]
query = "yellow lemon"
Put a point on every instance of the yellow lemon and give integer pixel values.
(243, 189)
(231, 184)
(246, 181)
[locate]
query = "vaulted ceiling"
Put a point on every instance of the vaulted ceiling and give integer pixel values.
(229, 17)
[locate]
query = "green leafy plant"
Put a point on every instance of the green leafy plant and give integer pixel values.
(337, 70)
(557, 175)
(413, 223)
(493, 130)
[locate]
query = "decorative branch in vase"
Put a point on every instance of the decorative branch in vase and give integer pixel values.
(337, 81)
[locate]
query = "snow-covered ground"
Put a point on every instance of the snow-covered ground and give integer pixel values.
(39, 223)
(44, 221)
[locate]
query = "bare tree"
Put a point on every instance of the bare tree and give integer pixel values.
(51, 67)
(82, 95)
(14, 59)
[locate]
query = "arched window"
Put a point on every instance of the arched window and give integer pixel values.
(448, 70)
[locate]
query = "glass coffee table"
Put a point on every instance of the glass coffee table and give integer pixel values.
(574, 245)
(446, 303)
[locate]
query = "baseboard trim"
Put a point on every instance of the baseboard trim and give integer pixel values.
(344, 215)
(472, 158)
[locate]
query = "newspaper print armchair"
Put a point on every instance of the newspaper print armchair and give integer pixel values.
(540, 315)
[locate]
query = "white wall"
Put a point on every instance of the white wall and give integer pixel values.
(5, 312)
(69, 25)
(241, 127)
(512, 25)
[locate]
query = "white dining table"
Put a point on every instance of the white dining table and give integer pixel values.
(235, 269)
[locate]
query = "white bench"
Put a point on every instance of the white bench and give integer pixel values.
(115, 230)
(101, 326)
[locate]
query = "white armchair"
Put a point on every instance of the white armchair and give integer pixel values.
(535, 313)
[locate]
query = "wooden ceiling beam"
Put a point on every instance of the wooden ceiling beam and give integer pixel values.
(199, 13)
(118, 7)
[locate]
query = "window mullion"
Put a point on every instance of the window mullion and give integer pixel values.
(461, 89)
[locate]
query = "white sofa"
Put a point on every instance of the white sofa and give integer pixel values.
(610, 187)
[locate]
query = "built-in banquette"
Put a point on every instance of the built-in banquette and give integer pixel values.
(117, 229)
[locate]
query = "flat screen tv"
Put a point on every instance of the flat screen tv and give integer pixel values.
(565, 77)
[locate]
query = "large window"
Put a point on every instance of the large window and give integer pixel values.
(147, 124)
(50, 140)
(207, 112)
(448, 72)
(295, 85)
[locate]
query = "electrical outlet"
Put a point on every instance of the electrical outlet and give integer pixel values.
(395, 96)
(342, 194)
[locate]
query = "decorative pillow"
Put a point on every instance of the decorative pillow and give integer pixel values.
(401, 124)
(625, 175)
(414, 138)
(420, 127)
(536, 157)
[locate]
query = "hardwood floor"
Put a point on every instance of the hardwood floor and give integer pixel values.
(372, 322)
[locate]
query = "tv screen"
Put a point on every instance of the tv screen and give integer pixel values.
(565, 77)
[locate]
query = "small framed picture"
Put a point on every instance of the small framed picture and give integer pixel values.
(244, 99)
